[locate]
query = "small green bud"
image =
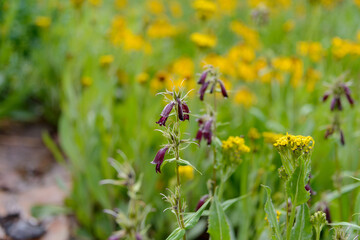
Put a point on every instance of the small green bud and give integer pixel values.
(319, 218)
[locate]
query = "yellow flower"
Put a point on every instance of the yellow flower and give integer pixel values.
(357, 2)
(312, 76)
(106, 60)
(225, 65)
(186, 172)
(297, 72)
(283, 64)
(245, 97)
(142, 77)
(203, 40)
(120, 4)
(43, 22)
(205, 9)
(247, 72)
(233, 148)
(161, 28)
(312, 49)
(159, 81)
(227, 6)
(95, 3)
(250, 36)
(295, 143)
(155, 7)
(253, 134)
(86, 81)
(183, 67)
(175, 9)
(241, 52)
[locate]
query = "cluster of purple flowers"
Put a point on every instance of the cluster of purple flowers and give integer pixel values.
(213, 81)
(205, 130)
(336, 104)
(182, 109)
(336, 100)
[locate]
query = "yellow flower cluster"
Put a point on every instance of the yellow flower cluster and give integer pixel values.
(235, 145)
(341, 47)
(205, 9)
(106, 60)
(161, 28)
(120, 35)
(250, 36)
(245, 97)
(313, 50)
(296, 143)
(203, 40)
(270, 137)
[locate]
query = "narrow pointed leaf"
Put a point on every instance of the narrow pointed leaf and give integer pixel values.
(303, 228)
(176, 234)
(271, 215)
(193, 218)
(218, 226)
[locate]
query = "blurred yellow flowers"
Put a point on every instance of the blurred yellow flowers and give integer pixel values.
(203, 40)
(43, 22)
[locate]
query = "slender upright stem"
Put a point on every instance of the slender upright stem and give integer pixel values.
(291, 222)
(179, 213)
(338, 168)
(214, 147)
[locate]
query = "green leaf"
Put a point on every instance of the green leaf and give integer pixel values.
(271, 214)
(346, 224)
(176, 234)
(303, 228)
(218, 227)
(183, 162)
(193, 218)
(52, 146)
(226, 204)
(295, 186)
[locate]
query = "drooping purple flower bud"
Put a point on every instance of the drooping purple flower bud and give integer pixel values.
(223, 89)
(185, 109)
(338, 103)
(203, 90)
(203, 77)
(207, 133)
(326, 210)
(180, 110)
(342, 138)
(326, 96)
(333, 103)
(201, 201)
(165, 114)
(199, 135)
(159, 158)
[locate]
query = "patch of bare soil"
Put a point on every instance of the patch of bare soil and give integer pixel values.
(29, 176)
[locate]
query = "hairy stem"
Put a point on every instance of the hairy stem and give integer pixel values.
(214, 147)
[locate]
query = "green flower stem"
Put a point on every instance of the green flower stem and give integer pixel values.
(291, 222)
(179, 213)
(214, 147)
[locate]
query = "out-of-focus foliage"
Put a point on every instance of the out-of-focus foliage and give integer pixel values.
(100, 63)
